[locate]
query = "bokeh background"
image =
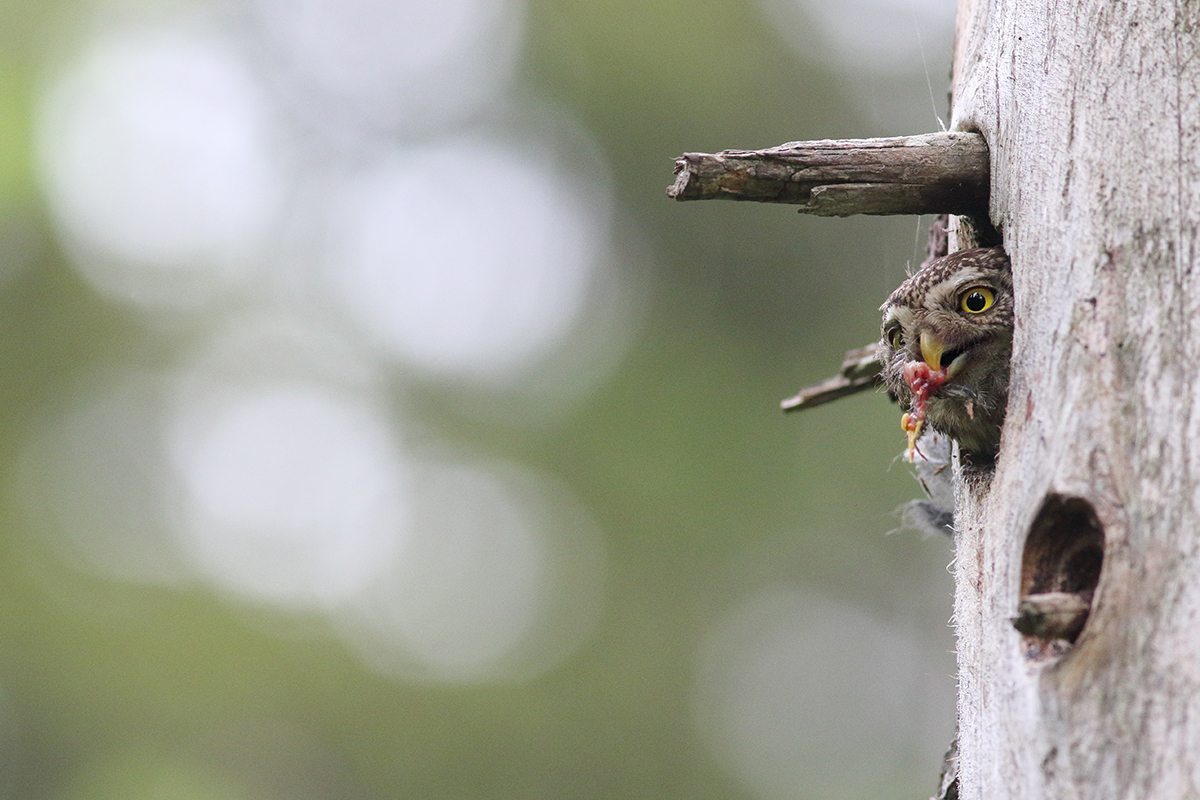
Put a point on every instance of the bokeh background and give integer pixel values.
(373, 426)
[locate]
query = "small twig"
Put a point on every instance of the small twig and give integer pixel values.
(859, 372)
(935, 173)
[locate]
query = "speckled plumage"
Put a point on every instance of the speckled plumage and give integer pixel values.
(969, 406)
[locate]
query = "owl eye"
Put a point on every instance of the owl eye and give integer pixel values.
(977, 300)
(895, 338)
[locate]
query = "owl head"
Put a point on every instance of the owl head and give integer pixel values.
(946, 346)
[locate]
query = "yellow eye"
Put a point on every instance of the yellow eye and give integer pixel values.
(896, 338)
(977, 300)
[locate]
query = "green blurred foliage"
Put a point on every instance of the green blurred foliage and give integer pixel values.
(703, 488)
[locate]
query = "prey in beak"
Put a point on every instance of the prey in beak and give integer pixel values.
(924, 378)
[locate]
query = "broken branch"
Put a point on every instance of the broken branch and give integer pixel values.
(934, 173)
(860, 371)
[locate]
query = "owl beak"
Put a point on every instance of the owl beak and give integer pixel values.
(931, 350)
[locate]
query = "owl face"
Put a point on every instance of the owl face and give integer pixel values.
(946, 346)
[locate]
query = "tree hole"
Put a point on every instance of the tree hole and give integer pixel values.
(1060, 568)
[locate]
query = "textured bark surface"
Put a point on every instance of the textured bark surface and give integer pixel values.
(1092, 112)
(934, 173)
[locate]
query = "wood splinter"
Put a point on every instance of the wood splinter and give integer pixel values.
(934, 173)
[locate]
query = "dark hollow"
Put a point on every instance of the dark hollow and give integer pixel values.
(1064, 551)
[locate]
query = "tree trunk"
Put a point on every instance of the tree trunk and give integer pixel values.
(1091, 109)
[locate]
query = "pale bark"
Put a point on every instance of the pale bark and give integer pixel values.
(1092, 112)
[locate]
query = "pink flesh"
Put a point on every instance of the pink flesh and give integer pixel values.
(923, 382)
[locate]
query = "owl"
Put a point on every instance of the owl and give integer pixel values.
(946, 346)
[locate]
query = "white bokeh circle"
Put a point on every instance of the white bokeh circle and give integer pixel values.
(501, 580)
(293, 493)
(161, 162)
(468, 260)
(94, 480)
(408, 65)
